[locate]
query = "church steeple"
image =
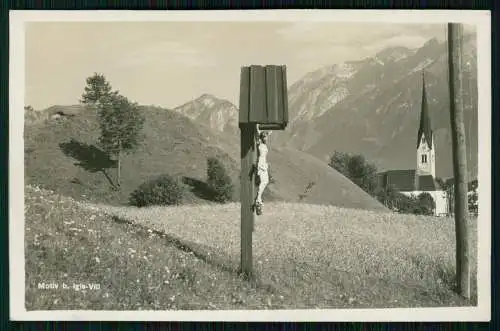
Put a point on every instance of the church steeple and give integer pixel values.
(424, 129)
(426, 164)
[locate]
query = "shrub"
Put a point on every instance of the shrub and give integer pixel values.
(272, 180)
(425, 204)
(388, 195)
(404, 204)
(472, 198)
(219, 181)
(163, 190)
(308, 188)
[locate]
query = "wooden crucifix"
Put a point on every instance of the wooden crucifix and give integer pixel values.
(263, 102)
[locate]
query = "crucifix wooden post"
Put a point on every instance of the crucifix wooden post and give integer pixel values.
(247, 194)
(263, 102)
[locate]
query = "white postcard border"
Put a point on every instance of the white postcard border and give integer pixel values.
(482, 21)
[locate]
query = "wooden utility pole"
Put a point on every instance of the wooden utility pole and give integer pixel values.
(455, 32)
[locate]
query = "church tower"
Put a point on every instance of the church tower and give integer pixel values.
(426, 158)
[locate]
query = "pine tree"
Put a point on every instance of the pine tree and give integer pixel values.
(120, 120)
(120, 126)
(97, 92)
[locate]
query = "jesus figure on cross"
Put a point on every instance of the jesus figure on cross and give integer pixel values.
(262, 167)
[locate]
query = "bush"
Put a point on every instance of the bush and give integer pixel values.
(163, 190)
(308, 188)
(423, 204)
(219, 181)
(388, 196)
(272, 180)
(472, 198)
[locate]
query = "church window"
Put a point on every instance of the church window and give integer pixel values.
(424, 158)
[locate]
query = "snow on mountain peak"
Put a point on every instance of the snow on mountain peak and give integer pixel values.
(344, 70)
(208, 102)
(422, 65)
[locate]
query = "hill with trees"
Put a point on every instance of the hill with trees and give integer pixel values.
(64, 153)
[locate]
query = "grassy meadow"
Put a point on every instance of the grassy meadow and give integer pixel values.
(186, 257)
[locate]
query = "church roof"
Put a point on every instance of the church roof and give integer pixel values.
(425, 122)
(403, 180)
(409, 181)
(427, 183)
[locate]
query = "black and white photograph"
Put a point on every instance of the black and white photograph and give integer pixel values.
(250, 165)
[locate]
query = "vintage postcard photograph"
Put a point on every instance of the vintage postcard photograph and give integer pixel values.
(316, 165)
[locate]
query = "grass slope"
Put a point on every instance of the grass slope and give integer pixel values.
(327, 186)
(134, 268)
(61, 155)
(305, 256)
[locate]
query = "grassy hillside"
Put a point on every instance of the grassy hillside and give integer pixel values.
(62, 155)
(295, 171)
(68, 244)
(305, 256)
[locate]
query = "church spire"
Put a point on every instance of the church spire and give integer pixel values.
(425, 122)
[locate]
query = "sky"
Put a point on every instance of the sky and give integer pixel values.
(170, 63)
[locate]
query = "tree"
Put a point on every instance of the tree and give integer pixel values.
(219, 181)
(357, 169)
(369, 177)
(120, 120)
(28, 108)
(97, 93)
(120, 126)
(338, 161)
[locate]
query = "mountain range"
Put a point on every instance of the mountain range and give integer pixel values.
(370, 107)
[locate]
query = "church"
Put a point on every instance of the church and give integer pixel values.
(423, 178)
